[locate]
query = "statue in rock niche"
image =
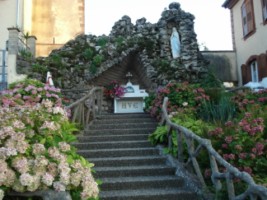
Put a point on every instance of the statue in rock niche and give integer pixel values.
(175, 43)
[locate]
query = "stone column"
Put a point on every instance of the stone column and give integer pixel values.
(31, 43)
(13, 49)
(13, 41)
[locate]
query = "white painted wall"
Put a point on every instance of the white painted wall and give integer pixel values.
(7, 19)
(11, 15)
(256, 43)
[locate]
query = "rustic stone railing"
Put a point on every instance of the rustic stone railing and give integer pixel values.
(253, 190)
(85, 109)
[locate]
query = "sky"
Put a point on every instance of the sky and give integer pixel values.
(212, 21)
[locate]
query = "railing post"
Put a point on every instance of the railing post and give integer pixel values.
(214, 170)
(191, 150)
(99, 102)
(180, 146)
(230, 186)
(169, 135)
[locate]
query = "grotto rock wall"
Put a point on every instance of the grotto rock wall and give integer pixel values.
(81, 61)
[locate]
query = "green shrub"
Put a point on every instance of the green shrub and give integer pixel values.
(102, 41)
(181, 95)
(97, 60)
(88, 54)
(220, 112)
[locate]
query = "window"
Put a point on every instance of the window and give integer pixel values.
(247, 17)
(254, 71)
(264, 10)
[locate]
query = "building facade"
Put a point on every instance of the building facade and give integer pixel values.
(50, 21)
(53, 22)
(249, 32)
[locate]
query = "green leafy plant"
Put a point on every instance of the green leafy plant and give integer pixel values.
(97, 60)
(102, 41)
(88, 53)
(218, 112)
(159, 136)
(25, 54)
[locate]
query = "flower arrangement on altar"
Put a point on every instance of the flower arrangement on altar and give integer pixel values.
(114, 90)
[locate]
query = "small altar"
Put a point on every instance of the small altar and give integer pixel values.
(132, 101)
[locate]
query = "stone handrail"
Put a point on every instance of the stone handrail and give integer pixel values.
(183, 134)
(87, 107)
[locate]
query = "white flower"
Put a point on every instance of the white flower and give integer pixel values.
(47, 179)
(58, 186)
(64, 147)
(18, 124)
(50, 126)
(7, 152)
(26, 179)
(38, 149)
(35, 184)
(76, 178)
(185, 104)
(20, 164)
(47, 103)
(59, 110)
(11, 177)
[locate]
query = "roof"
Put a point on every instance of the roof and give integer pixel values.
(229, 3)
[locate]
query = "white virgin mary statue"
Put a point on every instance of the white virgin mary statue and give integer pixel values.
(175, 43)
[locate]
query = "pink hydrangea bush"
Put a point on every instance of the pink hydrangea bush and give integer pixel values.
(28, 93)
(35, 153)
(243, 140)
(181, 95)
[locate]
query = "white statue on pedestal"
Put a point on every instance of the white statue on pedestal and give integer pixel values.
(175, 43)
(49, 80)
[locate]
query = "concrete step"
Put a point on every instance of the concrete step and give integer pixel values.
(127, 120)
(123, 152)
(111, 138)
(129, 167)
(131, 171)
(112, 144)
(148, 194)
(141, 182)
(123, 116)
(116, 131)
(128, 161)
(122, 126)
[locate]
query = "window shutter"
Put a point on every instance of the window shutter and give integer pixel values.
(244, 19)
(247, 17)
(250, 16)
(264, 9)
(262, 66)
(246, 73)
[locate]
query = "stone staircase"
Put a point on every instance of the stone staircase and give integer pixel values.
(129, 167)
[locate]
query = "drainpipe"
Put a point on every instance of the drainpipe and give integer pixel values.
(17, 14)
